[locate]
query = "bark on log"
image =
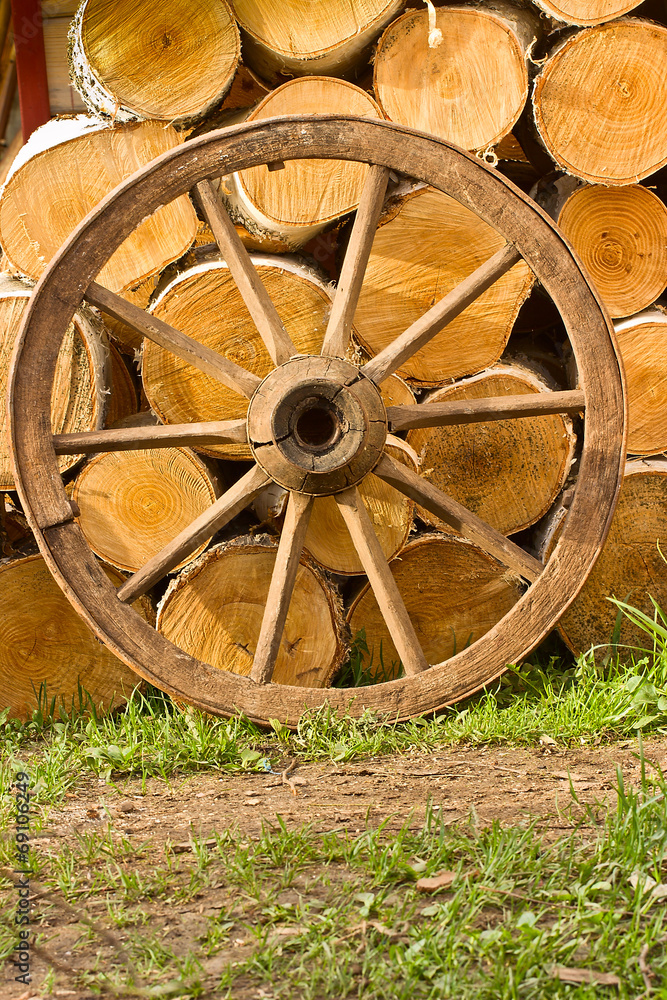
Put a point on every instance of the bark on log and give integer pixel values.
(132, 503)
(600, 102)
(620, 234)
(508, 472)
(294, 37)
(214, 610)
(328, 539)
(629, 567)
(73, 163)
(427, 245)
(45, 647)
(470, 87)
(204, 302)
(642, 342)
(454, 592)
(79, 398)
(297, 201)
(123, 397)
(144, 61)
(128, 340)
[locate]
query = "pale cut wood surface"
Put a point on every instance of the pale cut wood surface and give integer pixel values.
(214, 611)
(309, 192)
(630, 566)
(600, 102)
(453, 592)
(283, 578)
(206, 304)
(381, 581)
(231, 503)
(147, 59)
(508, 472)
(620, 235)
(585, 12)
(186, 348)
(417, 336)
(255, 296)
(137, 438)
(642, 342)
(339, 327)
(470, 89)
(391, 514)
(479, 410)
(133, 503)
(81, 379)
(464, 521)
(427, 248)
(72, 177)
(293, 37)
(43, 641)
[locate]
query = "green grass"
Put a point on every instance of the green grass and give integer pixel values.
(150, 737)
(319, 915)
(332, 915)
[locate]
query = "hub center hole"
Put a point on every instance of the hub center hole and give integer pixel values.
(316, 427)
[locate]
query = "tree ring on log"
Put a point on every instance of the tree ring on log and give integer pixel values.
(528, 234)
(317, 425)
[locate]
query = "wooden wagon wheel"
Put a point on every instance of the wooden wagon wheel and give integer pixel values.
(317, 425)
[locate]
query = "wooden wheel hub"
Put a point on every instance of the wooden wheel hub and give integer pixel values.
(317, 425)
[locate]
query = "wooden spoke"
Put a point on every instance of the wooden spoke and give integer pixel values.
(283, 578)
(472, 411)
(459, 517)
(162, 436)
(201, 357)
(203, 527)
(381, 580)
(337, 336)
(443, 312)
(258, 301)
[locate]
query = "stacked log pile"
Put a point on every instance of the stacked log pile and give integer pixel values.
(567, 99)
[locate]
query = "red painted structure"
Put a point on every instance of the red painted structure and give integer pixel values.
(30, 65)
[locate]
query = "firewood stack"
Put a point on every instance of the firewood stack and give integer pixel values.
(568, 99)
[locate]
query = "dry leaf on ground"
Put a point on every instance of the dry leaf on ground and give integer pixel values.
(571, 975)
(443, 880)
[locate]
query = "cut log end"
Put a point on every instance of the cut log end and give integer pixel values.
(47, 651)
(214, 612)
(470, 89)
(508, 472)
(299, 200)
(642, 342)
(73, 164)
(78, 398)
(328, 539)
(130, 60)
(438, 243)
(204, 302)
(629, 568)
(600, 102)
(133, 503)
(453, 592)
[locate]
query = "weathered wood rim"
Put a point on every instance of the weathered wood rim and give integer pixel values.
(494, 199)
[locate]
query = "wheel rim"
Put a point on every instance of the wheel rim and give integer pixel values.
(68, 278)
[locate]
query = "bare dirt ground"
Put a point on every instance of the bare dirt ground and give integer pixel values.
(508, 785)
(513, 786)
